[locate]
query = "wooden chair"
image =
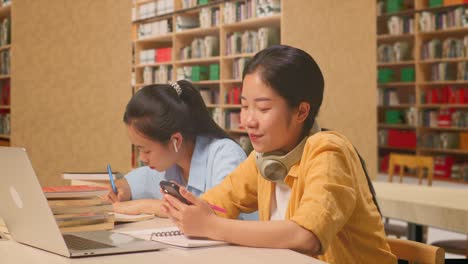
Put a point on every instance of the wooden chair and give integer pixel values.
(411, 162)
(413, 251)
(456, 246)
(459, 247)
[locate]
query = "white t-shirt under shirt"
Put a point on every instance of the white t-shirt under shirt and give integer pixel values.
(279, 201)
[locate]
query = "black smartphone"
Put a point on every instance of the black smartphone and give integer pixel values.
(172, 189)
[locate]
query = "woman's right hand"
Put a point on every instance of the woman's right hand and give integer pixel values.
(123, 192)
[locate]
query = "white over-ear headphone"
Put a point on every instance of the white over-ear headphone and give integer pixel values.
(174, 143)
(274, 166)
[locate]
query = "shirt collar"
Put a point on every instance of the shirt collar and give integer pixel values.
(295, 168)
(197, 173)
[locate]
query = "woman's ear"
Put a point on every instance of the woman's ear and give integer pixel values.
(303, 111)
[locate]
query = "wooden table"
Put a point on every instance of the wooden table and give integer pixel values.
(12, 252)
(440, 207)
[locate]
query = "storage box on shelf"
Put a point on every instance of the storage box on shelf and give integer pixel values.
(423, 96)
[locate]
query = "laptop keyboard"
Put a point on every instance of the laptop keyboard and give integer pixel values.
(79, 243)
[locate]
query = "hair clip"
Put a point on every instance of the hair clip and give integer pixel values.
(176, 87)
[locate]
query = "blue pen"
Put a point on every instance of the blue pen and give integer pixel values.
(109, 170)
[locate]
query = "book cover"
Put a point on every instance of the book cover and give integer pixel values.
(126, 218)
(84, 209)
(73, 191)
(104, 176)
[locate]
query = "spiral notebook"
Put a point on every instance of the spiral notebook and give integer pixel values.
(173, 236)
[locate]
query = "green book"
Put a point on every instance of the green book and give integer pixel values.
(407, 74)
(393, 117)
(385, 75)
(214, 72)
(199, 73)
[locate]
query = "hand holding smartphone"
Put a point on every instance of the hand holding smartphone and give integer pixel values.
(172, 189)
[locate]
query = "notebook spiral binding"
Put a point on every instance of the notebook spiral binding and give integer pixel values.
(166, 233)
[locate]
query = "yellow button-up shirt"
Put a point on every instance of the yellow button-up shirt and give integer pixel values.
(329, 196)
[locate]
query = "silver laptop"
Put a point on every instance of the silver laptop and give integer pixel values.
(30, 221)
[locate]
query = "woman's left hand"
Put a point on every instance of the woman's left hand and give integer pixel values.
(194, 219)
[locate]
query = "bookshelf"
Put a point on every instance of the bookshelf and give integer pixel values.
(5, 48)
(422, 65)
(202, 41)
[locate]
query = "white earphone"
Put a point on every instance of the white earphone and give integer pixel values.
(174, 143)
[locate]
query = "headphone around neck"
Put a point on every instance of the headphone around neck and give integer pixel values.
(274, 166)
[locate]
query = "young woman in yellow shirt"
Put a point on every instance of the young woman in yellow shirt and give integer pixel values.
(308, 185)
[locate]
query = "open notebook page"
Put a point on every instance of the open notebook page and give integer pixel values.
(172, 237)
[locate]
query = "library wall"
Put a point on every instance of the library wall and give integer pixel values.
(336, 34)
(70, 72)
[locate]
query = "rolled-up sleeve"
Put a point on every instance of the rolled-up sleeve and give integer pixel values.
(144, 183)
(329, 195)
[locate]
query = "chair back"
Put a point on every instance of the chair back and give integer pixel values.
(415, 252)
(411, 162)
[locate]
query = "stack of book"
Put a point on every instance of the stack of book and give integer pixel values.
(80, 208)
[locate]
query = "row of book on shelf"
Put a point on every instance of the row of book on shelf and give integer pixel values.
(160, 74)
(400, 25)
(447, 117)
(249, 41)
(159, 55)
(398, 51)
(399, 138)
(211, 96)
(5, 122)
(445, 167)
(404, 74)
(197, 73)
(5, 92)
(445, 48)
(5, 31)
(152, 9)
(207, 46)
(445, 95)
(429, 118)
(431, 49)
(449, 71)
(207, 17)
(5, 62)
(430, 21)
(233, 11)
(442, 95)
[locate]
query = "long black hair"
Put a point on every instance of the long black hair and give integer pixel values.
(158, 111)
(293, 74)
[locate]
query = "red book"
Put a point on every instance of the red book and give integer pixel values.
(74, 191)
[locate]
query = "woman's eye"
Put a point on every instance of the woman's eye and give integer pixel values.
(244, 106)
(263, 110)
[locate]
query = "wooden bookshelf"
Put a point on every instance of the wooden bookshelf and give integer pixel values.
(5, 110)
(178, 39)
(425, 80)
(396, 126)
(398, 63)
(459, 129)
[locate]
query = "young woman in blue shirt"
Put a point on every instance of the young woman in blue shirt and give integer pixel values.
(178, 141)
